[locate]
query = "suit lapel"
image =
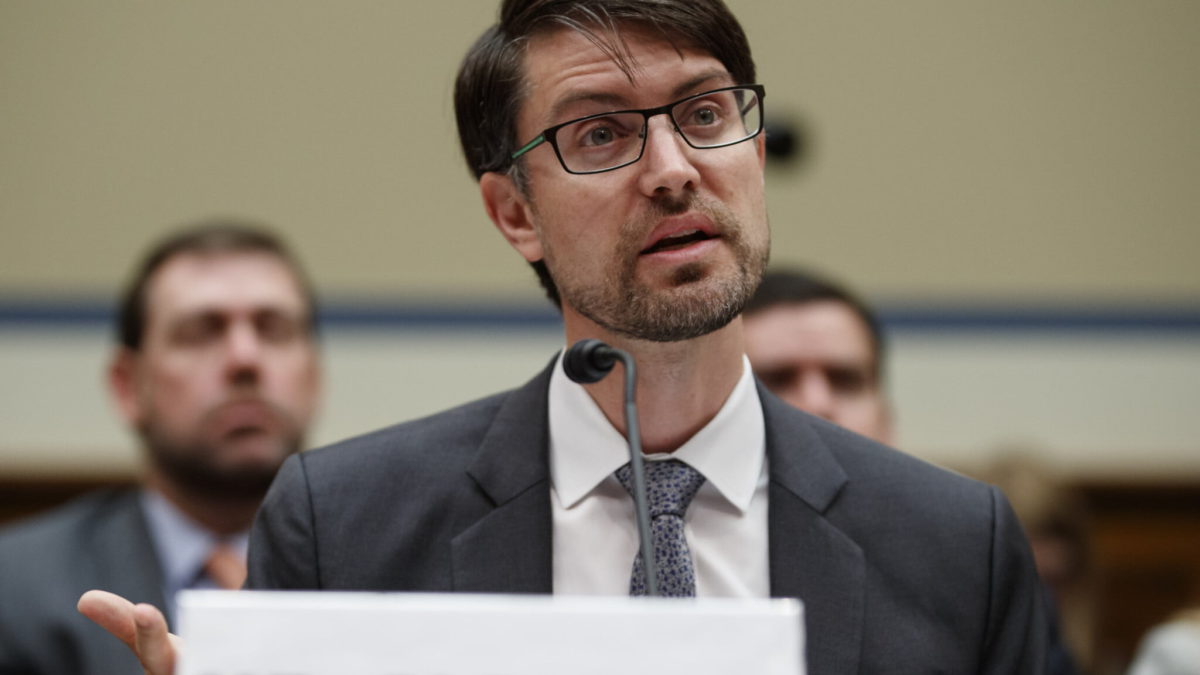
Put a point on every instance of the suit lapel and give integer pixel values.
(810, 558)
(122, 559)
(125, 558)
(509, 549)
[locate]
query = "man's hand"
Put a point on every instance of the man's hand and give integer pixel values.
(141, 627)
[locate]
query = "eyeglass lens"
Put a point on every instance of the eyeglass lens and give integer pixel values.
(709, 120)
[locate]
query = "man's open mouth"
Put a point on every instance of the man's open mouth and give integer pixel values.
(677, 241)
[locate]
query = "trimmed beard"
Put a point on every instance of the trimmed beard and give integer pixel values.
(190, 466)
(690, 308)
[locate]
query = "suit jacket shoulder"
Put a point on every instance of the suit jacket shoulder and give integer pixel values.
(98, 541)
(902, 566)
(426, 505)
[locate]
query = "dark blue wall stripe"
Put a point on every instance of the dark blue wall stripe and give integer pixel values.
(902, 318)
(1042, 319)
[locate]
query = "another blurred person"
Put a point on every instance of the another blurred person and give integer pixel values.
(216, 370)
(1172, 648)
(1055, 518)
(818, 347)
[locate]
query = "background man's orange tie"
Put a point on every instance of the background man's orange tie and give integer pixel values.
(226, 568)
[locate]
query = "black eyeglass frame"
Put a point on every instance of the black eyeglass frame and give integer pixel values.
(550, 134)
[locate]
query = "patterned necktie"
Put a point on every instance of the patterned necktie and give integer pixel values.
(670, 486)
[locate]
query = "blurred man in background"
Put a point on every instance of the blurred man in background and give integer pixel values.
(216, 371)
(818, 347)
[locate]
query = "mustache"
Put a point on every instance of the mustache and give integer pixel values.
(664, 206)
(673, 205)
(275, 412)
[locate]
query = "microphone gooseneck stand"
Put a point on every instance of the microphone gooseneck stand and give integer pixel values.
(590, 361)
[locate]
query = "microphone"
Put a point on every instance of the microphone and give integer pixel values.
(589, 361)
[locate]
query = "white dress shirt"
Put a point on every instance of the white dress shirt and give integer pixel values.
(595, 537)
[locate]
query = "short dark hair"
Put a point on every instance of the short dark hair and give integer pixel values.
(491, 86)
(800, 287)
(214, 236)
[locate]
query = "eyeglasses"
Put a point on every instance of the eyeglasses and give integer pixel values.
(611, 140)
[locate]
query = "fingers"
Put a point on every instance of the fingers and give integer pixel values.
(112, 612)
(141, 627)
(154, 645)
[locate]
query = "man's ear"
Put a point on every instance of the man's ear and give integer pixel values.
(511, 214)
(760, 146)
(123, 385)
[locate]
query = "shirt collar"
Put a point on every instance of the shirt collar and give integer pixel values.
(182, 544)
(585, 448)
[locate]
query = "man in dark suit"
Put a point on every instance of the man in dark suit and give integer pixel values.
(618, 149)
(216, 371)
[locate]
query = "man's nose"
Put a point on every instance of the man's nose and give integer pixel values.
(815, 395)
(243, 351)
(666, 163)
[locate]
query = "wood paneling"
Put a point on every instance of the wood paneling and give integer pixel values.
(1145, 563)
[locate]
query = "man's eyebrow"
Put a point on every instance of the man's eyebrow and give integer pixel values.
(558, 110)
(717, 77)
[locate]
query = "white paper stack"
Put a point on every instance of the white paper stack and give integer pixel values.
(325, 633)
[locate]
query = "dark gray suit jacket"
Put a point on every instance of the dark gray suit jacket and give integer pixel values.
(902, 567)
(98, 541)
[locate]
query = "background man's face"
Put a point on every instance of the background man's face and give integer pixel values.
(817, 356)
(226, 381)
(602, 235)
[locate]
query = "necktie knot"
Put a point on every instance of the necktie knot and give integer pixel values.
(670, 486)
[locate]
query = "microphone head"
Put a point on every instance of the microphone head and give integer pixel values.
(589, 361)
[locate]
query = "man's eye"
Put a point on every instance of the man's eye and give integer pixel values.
(775, 378)
(599, 136)
(600, 132)
(278, 328)
(847, 381)
(198, 331)
(704, 117)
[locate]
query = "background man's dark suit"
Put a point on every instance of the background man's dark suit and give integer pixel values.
(902, 567)
(99, 541)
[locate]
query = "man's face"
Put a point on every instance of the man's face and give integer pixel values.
(606, 238)
(817, 356)
(225, 383)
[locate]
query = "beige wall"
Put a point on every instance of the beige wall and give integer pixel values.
(979, 150)
(1003, 150)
